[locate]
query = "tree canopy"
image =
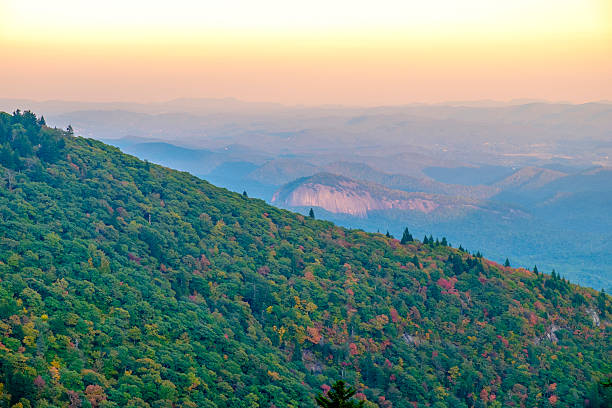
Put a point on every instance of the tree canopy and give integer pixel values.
(127, 284)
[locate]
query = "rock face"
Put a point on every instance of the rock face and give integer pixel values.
(594, 316)
(338, 194)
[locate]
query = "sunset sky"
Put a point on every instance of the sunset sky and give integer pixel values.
(310, 52)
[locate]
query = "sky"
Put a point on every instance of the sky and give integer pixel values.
(312, 52)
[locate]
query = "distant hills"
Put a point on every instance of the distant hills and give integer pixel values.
(128, 284)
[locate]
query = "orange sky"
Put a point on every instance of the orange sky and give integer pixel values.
(349, 52)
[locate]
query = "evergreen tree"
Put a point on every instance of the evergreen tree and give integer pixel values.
(426, 240)
(444, 242)
(507, 263)
(601, 300)
(535, 269)
(339, 396)
(387, 234)
(244, 194)
(311, 213)
(415, 261)
(70, 130)
(407, 237)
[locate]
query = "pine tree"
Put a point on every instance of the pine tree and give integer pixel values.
(535, 269)
(311, 213)
(244, 194)
(407, 237)
(507, 263)
(339, 396)
(425, 240)
(444, 242)
(415, 261)
(387, 234)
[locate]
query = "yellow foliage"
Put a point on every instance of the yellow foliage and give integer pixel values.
(54, 372)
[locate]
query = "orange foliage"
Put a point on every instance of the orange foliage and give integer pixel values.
(314, 335)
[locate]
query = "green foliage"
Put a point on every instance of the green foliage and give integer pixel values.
(406, 237)
(25, 142)
(124, 283)
(339, 396)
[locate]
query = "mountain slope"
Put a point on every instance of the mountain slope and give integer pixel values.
(129, 284)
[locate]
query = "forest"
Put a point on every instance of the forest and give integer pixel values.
(127, 284)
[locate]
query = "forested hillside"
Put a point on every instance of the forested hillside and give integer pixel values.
(126, 284)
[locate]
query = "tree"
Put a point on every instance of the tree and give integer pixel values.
(387, 234)
(407, 237)
(311, 213)
(70, 130)
(507, 263)
(415, 261)
(535, 269)
(339, 396)
(244, 194)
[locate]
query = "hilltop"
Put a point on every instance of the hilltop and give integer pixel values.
(127, 284)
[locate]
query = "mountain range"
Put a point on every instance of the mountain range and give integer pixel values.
(128, 284)
(530, 161)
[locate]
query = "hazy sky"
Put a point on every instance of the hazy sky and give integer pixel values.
(315, 51)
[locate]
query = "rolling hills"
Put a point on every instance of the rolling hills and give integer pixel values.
(127, 284)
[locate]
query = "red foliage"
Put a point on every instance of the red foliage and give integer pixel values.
(263, 270)
(39, 382)
(484, 395)
(360, 396)
(134, 258)
(446, 284)
(395, 317)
